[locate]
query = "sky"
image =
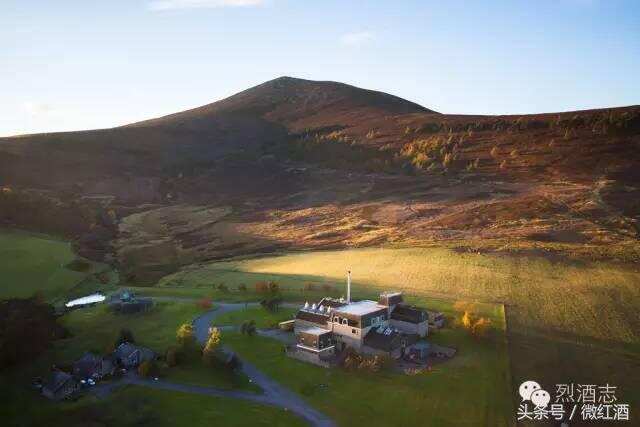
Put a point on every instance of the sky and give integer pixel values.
(71, 65)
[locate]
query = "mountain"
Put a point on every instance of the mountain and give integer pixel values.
(248, 121)
(295, 163)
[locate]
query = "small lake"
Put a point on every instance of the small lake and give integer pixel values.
(89, 299)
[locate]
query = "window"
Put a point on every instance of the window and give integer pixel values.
(336, 319)
(353, 331)
(344, 321)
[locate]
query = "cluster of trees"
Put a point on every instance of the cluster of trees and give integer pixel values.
(187, 349)
(312, 287)
(63, 215)
(271, 304)
(27, 328)
(267, 287)
(477, 326)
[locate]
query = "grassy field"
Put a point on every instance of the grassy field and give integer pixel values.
(32, 263)
(262, 317)
(139, 406)
(95, 329)
(603, 304)
(567, 321)
(467, 390)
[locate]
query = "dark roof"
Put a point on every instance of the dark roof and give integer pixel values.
(126, 349)
(55, 380)
(409, 314)
(383, 341)
(313, 317)
(331, 302)
(390, 298)
(87, 365)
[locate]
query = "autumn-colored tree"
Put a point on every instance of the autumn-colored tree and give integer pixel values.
(467, 320)
(476, 326)
(211, 347)
(185, 335)
(145, 368)
(480, 327)
(205, 303)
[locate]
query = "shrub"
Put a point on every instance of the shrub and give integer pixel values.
(274, 288)
(144, 368)
(514, 153)
(173, 356)
(261, 287)
(248, 327)
(223, 288)
(494, 151)
(503, 165)
(205, 303)
(242, 287)
(271, 304)
(552, 143)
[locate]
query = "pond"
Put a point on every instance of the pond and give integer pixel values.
(89, 299)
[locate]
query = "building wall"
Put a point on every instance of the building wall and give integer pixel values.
(421, 329)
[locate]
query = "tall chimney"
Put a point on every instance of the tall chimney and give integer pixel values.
(349, 286)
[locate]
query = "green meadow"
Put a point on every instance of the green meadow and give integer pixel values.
(567, 321)
(31, 263)
(470, 389)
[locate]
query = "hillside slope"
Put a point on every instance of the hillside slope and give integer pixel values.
(294, 163)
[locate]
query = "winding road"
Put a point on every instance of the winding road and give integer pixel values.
(274, 394)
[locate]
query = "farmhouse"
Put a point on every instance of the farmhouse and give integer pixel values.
(127, 302)
(59, 385)
(92, 366)
(387, 326)
(130, 356)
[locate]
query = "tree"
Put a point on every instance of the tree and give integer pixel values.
(27, 328)
(271, 304)
(476, 326)
(248, 327)
(480, 328)
(172, 356)
(185, 335)
(467, 320)
(211, 347)
(205, 303)
(261, 287)
(146, 368)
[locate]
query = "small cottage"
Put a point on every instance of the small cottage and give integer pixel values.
(92, 366)
(59, 385)
(126, 302)
(130, 356)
